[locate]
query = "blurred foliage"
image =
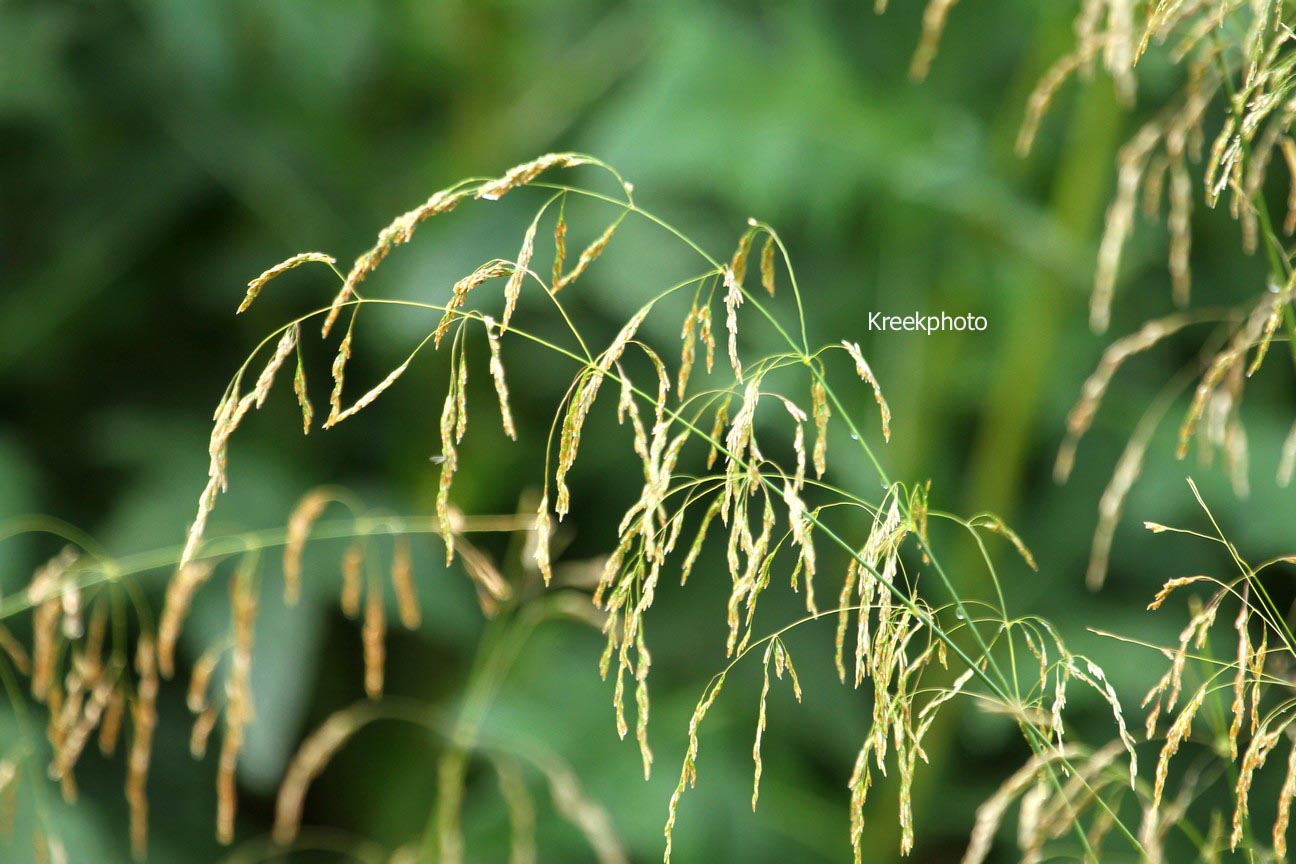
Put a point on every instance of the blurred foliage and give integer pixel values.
(156, 155)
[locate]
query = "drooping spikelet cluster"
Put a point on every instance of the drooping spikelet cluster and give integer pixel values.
(1234, 55)
(231, 708)
(96, 686)
(716, 444)
(1248, 688)
(756, 484)
(1240, 52)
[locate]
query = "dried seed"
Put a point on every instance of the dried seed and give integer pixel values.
(308, 510)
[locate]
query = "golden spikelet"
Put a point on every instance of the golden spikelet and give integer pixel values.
(308, 763)
(732, 300)
(696, 549)
(143, 721)
(1239, 705)
(760, 725)
(1132, 161)
(1256, 754)
(798, 441)
(1267, 333)
(822, 413)
(782, 662)
(486, 578)
(367, 399)
(560, 247)
(1223, 364)
(1288, 147)
(283, 350)
(688, 336)
(860, 780)
(449, 462)
(1128, 468)
(200, 678)
(352, 579)
(866, 374)
(231, 411)
(402, 577)
(303, 397)
(179, 595)
(1257, 665)
(707, 335)
(521, 175)
(84, 724)
(513, 288)
(1178, 732)
(110, 728)
(461, 394)
(308, 509)
(767, 265)
(459, 294)
(717, 429)
(688, 774)
(226, 788)
(588, 256)
(1041, 97)
(996, 525)
(497, 376)
(373, 636)
(49, 587)
(843, 617)
(398, 232)
(990, 814)
(1180, 227)
(581, 401)
(239, 710)
(201, 733)
(1172, 585)
(934, 17)
(738, 263)
(339, 374)
(542, 531)
(15, 651)
(1095, 387)
(45, 639)
(1283, 819)
(1104, 687)
(642, 703)
(1154, 185)
(70, 620)
(254, 287)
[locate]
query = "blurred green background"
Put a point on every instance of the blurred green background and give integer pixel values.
(155, 155)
